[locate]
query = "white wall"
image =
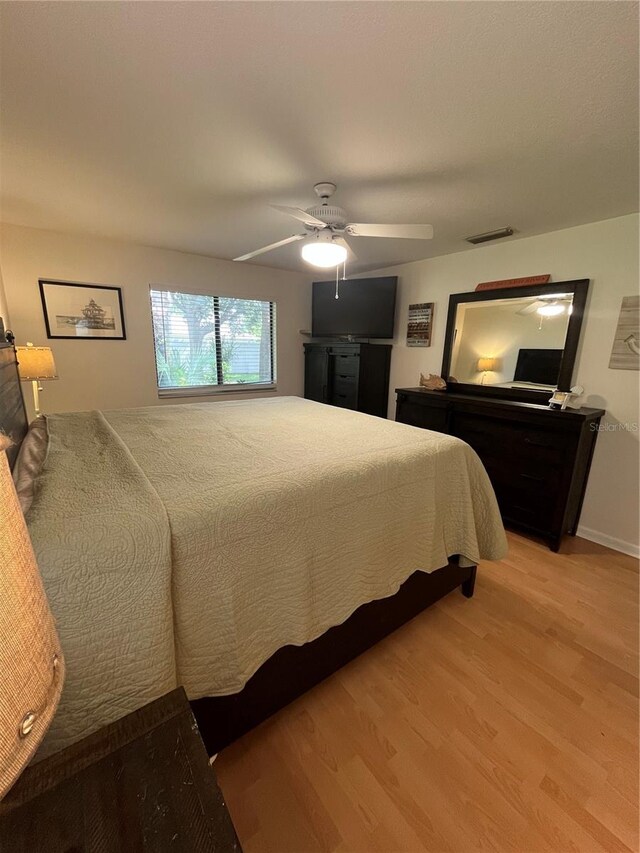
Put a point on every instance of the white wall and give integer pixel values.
(111, 374)
(605, 252)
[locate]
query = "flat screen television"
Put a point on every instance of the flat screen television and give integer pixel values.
(365, 308)
(539, 366)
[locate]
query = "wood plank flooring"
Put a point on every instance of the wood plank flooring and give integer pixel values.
(504, 722)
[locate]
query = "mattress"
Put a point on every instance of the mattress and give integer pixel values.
(186, 544)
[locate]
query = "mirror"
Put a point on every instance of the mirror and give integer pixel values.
(511, 343)
(516, 340)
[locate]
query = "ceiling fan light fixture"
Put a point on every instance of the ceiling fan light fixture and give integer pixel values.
(323, 253)
(553, 309)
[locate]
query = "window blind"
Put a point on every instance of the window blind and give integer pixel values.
(204, 343)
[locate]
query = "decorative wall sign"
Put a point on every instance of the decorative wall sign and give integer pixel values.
(514, 282)
(85, 311)
(625, 353)
(420, 324)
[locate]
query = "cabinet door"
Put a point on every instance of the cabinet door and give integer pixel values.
(316, 373)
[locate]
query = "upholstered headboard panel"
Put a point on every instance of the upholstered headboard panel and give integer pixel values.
(13, 416)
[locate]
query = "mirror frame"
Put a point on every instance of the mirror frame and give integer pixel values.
(579, 288)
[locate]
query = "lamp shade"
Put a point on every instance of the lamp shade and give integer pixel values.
(487, 363)
(36, 363)
(31, 662)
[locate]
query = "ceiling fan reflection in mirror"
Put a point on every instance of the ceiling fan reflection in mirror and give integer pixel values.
(549, 306)
(326, 230)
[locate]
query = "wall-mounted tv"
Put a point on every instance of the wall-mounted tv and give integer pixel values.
(365, 308)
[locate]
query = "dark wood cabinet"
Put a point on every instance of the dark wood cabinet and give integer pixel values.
(141, 784)
(352, 376)
(537, 458)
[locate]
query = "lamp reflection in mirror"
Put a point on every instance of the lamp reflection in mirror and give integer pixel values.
(485, 365)
(36, 364)
(31, 660)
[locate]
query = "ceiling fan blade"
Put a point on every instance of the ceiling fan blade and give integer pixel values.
(342, 242)
(270, 248)
(533, 306)
(300, 214)
(409, 232)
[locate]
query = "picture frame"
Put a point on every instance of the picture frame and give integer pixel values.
(78, 311)
(625, 350)
(420, 324)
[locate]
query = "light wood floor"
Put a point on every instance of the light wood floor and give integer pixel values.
(504, 722)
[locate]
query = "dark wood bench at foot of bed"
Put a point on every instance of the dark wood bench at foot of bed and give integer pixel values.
(293, 670)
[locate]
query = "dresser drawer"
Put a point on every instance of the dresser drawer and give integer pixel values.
(537, 480)
(521, 444)
(344, 392)
(427, 417)
(345, 365)
(522, 505)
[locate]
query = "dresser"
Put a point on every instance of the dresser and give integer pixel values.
(537, 458)
(352, 376)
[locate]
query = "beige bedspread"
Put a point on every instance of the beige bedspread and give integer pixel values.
(186, 544)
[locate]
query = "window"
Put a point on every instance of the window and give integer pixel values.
(205, 343)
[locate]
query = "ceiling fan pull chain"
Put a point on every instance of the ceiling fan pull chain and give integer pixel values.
(337, 280)
(344, 270)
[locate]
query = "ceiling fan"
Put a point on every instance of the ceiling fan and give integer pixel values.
(326, 229)
(548, 306)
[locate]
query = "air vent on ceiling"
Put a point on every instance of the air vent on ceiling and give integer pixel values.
(490, 235)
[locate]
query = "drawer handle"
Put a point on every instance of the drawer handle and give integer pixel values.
(524, 509)
(533, 477)
(537, 443)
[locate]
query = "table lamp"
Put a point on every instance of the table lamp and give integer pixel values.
(485, 365)
(36, 364)
(31, 661)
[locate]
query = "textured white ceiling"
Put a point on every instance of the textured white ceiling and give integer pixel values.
(174, 124)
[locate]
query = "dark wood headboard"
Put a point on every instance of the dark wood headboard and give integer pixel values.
(13, 415)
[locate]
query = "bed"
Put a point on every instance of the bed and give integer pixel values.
(242, 549)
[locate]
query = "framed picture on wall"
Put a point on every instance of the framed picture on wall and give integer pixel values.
(420, 324)
(625, 353)
(83, 311)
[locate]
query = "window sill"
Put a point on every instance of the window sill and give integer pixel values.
(212, 390)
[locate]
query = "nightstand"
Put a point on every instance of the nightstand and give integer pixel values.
(142, 783)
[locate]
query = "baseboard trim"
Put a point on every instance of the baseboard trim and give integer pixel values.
(609, 541)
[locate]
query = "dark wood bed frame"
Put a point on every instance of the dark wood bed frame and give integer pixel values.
(292, 670)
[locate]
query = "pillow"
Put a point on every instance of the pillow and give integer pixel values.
(31, 456)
